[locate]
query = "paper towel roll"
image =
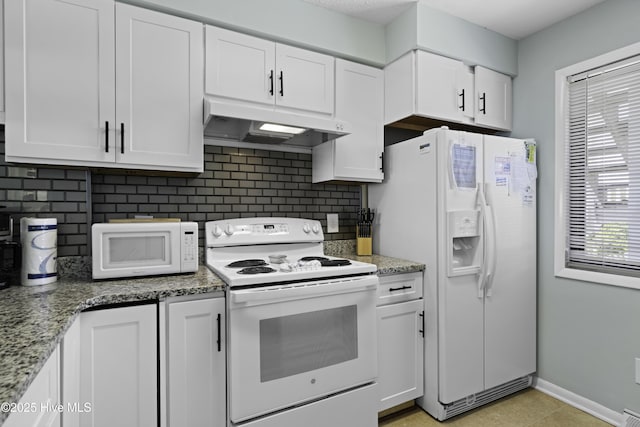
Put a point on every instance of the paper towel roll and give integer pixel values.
(39, 250)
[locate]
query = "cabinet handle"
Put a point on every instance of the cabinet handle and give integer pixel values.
(399, 289)
(461, 95)
(121, 138)
(281, 84)
(483, 98)
(219, 341)
(106, 136)
(271, 83)
(381, 157)
(421, 331)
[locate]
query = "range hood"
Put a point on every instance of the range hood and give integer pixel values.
(243, 122)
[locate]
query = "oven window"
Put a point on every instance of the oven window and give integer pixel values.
(137, 249)
(298, 343)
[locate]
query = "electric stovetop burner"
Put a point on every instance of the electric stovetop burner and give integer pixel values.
(256, 270)
(247, 263)
(326, 262)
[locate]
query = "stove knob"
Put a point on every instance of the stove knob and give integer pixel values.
(316, 228)
(217, 231)
(228, 230)
(306, 228)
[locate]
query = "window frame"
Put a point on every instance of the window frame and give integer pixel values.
(561, 112)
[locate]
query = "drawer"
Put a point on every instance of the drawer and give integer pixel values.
(399, 287)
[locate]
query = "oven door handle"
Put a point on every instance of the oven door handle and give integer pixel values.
(303, 290)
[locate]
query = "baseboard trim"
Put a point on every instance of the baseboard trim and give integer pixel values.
(597, 410)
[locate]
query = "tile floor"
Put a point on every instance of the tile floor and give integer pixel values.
(528, 408)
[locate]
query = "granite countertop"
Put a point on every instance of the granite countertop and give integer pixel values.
(386, 265)
(33, 320)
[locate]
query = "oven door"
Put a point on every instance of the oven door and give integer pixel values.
(297, 342)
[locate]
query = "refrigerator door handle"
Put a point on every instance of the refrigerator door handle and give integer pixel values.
(482, 274)
(491, 245)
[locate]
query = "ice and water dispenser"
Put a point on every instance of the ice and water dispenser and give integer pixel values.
(465, 243)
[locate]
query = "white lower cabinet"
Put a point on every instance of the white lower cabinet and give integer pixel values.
(118, 373)
(400, 340)
(39, 406)
(70, 377)
(196, 386)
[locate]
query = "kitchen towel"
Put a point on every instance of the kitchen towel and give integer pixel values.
(39, 250)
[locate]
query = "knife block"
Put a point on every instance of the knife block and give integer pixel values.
(363, 244)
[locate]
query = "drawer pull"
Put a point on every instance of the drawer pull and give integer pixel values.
(399, 289)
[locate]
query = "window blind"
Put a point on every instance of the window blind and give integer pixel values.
(602, 169)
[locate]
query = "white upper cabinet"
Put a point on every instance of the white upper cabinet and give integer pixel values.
(359, 101)
(247, 69)
(493, 99)
(444, 88)
(159, 90)
(425, 85)
(67, 62)
(239, 67)
(305, 79)
(60, 79)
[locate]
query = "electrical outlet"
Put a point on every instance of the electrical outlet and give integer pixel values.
(332, 223)
(637, 370)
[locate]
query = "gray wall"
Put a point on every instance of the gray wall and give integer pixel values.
(288, 21)
(302, 24)
(236, 183)
(588, 334)
(423, 27)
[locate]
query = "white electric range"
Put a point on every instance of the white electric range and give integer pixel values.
(301, 326)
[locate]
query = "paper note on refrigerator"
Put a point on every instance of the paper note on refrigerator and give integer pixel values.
(502, 170)
(463, 166)
(522, 181)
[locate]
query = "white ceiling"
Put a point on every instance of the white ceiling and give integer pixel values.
(512, 18)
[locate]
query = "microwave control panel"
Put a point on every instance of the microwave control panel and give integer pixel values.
(189, 247)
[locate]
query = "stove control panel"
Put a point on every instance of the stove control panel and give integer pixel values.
(270, 228)
(265, 230)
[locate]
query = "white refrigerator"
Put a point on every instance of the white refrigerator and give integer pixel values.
(464, 204)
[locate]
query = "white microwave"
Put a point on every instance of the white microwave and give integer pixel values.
(143, 249)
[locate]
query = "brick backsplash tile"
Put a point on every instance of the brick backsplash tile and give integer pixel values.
(236, 183)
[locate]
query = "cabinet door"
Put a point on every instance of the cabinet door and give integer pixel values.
(196, 377)
(400, 353)
(41, 399)
(304, 80)
(240, 67)
(159, 85)
(60, 80)
(359, 101)
(440, 83)
(71, 376)
(494, 99)
(119, 367)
